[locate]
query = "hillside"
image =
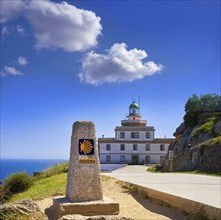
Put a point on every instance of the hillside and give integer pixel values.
(197, 147)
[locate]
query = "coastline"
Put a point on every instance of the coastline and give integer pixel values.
(9, 166)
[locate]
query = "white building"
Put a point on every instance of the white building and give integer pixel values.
(134, 142)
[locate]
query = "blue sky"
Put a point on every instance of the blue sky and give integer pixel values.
(81, 60)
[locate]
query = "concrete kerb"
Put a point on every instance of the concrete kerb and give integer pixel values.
(189, 206)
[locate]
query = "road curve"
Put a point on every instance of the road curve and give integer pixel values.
(200, 188)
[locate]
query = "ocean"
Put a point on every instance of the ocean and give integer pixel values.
(9, 166)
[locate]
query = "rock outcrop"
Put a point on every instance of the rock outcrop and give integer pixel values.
(22, 210)
(197, 148)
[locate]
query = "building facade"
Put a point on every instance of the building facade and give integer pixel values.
(134, 142)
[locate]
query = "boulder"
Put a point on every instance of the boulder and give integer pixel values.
(103, 217)
(22, 210)
(180, 130)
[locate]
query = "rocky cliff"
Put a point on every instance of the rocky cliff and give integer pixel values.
(197, 148)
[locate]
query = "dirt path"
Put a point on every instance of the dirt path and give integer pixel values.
(131, 205)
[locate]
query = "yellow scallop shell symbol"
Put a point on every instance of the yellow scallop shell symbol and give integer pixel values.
(86, 147)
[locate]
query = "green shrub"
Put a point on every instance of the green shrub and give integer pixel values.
(18, 182)
(152, 169)
(196, 105)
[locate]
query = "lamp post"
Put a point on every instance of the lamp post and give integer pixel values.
(171, 160)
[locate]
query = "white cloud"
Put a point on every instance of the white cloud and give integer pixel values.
(8, 70)
(117, 65)
(61, 25)
(22, 61)
(56, 25)
(11, 9)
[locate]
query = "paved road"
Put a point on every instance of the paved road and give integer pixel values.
(201, 188)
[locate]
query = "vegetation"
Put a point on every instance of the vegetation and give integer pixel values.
(200, 214)
(43, 188)
(128, 187)
(106, 178)
(53, 170)
(208, 126)
(17, 186)
(46, 187)
(200, 104)
(211, 142)
(152, 169)
(189, 172)
(8, 214)
(18, 182)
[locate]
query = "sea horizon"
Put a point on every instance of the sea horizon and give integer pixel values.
(13, 165)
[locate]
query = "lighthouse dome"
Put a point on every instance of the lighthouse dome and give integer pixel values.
(134, 105)
(134, 109)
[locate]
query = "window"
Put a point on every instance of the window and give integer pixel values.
(108, 158)
(147, 134)
(135, 135)
(162, 147)
(122, 158)
(147, 159)
(122, 147)
(122, 135)
(135, 147)
(147, 147)
(108, 147)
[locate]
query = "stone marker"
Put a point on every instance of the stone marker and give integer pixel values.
(83, 183)
(84, 192)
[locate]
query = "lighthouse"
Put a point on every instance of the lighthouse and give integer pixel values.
(134, 142)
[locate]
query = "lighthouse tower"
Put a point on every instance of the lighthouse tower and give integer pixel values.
(134, 118)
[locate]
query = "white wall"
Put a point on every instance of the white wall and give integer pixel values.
(115, 159)
(115, 153)
(141, 138)
(115, 148)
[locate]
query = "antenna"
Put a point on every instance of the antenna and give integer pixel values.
(138, 95)
(132, 97)
(139, 98)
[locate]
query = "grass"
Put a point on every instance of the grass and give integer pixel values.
(46, 187)
(50, 182)
(13, 213)
(199, 173)
(43, 188)
(127, 187)
(53, 170)
(152, 170)
(208, 126)
(211, 142)
(105, 178)
(194, 172)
